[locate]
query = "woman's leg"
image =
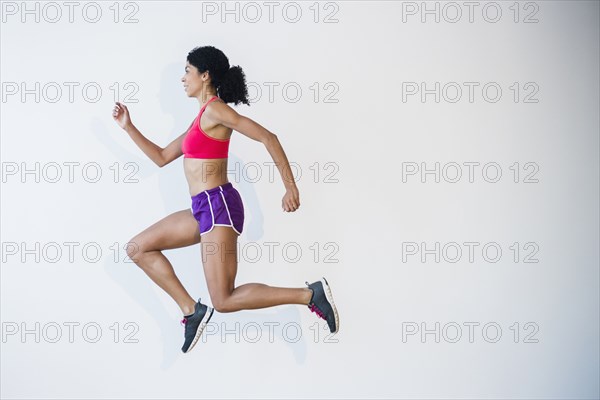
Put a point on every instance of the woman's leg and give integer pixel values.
(219, 257)
(179, 229)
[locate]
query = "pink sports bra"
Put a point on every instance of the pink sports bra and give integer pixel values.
(197, 144)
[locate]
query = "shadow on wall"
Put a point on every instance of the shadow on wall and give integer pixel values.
(172, 184)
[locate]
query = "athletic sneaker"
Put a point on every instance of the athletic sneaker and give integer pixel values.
(195, 324)
(321, 303)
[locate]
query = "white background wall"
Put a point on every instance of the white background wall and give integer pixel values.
(90, 324)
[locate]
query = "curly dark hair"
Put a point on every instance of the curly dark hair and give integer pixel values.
(229, 82)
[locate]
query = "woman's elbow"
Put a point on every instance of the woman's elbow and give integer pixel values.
(269, 138)
(160, 160)
(163, 161)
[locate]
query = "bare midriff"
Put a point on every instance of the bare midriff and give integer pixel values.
(205, 173)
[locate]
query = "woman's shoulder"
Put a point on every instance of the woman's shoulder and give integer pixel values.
(217, 104)
(219, 110)
(219, 100)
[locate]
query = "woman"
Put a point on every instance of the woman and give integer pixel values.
(216, 217)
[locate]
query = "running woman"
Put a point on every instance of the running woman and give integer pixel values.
(216, 217)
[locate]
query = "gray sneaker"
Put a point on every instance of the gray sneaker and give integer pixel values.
(195, 324)
(321, 303)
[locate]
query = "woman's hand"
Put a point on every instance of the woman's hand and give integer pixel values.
(121, 115)
(291, 200)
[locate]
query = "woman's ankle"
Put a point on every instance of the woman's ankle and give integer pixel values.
(188, 309)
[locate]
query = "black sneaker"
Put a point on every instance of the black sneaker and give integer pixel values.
(321, 303)
(195, 324)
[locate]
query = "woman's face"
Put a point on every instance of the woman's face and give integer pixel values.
(193, 82)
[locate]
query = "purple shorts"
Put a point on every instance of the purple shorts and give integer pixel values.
(219, 206)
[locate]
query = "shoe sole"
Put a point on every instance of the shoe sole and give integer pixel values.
(203, 323)
(329, 298)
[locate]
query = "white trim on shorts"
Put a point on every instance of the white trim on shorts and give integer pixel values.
(213, 215)
(228, 214)
(211, 211)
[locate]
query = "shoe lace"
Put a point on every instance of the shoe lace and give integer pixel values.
(313, 308)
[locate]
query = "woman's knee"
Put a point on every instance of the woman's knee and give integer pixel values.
(135, 248)
(221, 303)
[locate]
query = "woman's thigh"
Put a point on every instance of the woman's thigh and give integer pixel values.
(220, 262)
(176, 230)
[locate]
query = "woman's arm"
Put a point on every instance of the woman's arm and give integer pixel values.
(173, 149)
(227, 116)
(160, 156)
(152, 150)
(157, 154)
